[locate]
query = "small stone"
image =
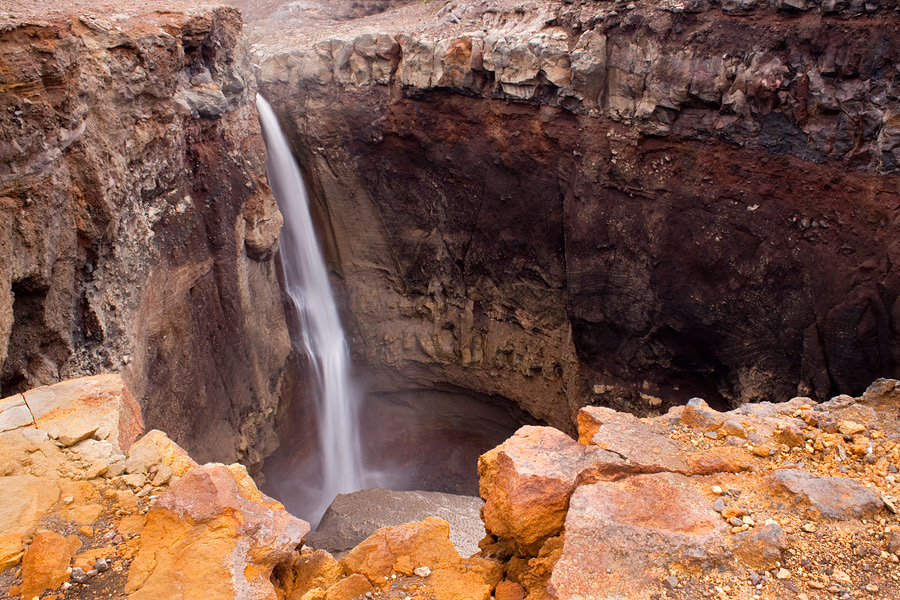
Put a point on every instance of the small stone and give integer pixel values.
(734, 511)
(87, 531)
(115, 469)
(748, 521)
(422, 571)
(719, 505)
(763, 450)
(102, 565)
(79, 576)
(92, 573)
(783, 574)
(671, 582)
(809, 527)
(871, 588)
(135, 480)
(840, 577)
(162, 475)
(816, 585)
(735, 522)
(716, 490)
(733, 428)
(889, 504)
(850, 427)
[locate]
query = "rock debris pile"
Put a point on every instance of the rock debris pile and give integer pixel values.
(793, 500)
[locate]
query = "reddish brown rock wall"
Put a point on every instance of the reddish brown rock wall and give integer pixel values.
(598, 204)
(137, 233)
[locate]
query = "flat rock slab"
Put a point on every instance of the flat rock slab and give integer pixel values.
(73, 410)
(837, 498)
(352, 518)
(621, 537)
(26, 499)
(14, 413)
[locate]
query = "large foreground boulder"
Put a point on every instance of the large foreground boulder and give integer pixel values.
(622, 537)
(213, 535)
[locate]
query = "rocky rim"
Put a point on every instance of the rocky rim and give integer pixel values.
(790, 500)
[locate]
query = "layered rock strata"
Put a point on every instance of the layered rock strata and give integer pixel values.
(137, 232)
(566, 203)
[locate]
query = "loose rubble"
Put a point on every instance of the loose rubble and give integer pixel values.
(809, 516)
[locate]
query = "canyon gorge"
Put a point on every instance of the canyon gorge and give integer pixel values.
(551, 228)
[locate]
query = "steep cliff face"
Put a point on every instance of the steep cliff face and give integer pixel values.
(577, 202)
(137, 233)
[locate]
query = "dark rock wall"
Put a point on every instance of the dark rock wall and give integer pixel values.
(589, 203)
(137, 233)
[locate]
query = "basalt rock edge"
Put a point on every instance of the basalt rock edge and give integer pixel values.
(137, 232)
(571, 203)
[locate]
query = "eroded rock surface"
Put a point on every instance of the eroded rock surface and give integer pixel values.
(137, 232)
(570, 203)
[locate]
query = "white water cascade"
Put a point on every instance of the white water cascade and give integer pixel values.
(307, 284)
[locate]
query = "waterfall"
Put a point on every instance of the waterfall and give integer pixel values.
(307, 284)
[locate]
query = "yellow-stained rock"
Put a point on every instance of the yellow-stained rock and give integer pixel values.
(427, 542)
(206, 537)
(84, 507)
(131, 525)
(536, 574)
(314, 594)
(45, 564)
(12, 547)
(312, 569)
(26, 499)
(508, 590)
(353, 587)
(155, 448)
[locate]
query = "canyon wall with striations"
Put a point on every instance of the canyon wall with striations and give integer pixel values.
(137, 233)
(569, 203)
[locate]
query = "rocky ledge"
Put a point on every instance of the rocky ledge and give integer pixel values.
(777, 501)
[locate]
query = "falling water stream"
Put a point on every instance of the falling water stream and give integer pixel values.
(306, 280)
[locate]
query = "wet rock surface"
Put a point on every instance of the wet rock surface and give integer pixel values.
(137, 232)
(599, 203)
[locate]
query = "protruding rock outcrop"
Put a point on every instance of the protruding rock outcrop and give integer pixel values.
(137, 232)
(213, 534)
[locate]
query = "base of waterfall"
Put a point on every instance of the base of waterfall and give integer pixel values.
(419, 439)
